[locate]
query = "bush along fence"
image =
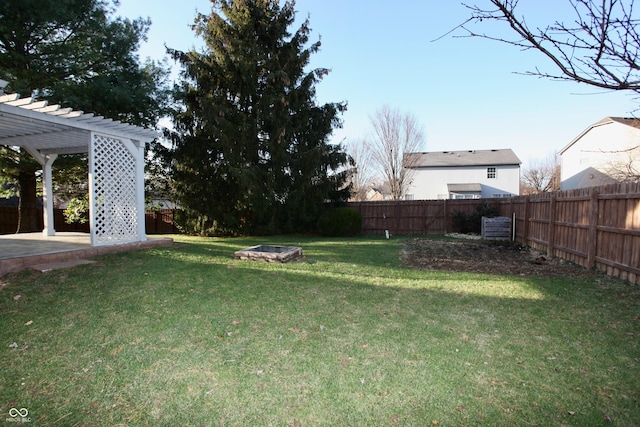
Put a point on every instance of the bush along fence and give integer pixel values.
(596, 227)
(157, 221)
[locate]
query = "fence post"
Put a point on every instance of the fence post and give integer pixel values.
(525, 225)
(512, 214)
(552, 223)
(445, 216)
(423, 215)
(592, 238)
(157, 217)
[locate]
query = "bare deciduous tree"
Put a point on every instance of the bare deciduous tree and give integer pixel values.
(541, 176)
(394, 134)
(601, 47)
(623, 165)
(364, 176)
(626, 166)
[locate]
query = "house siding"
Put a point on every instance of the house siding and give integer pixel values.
(588, 159)
(430, 183)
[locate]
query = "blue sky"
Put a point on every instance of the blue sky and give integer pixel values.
(465, 91)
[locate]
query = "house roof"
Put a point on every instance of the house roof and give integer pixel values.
(628, 121)
(464, 188)
(462, 158)
(52, 129)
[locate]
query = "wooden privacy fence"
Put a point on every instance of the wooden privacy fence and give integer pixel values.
(157, 222)
(161, 221)
(596, 227)
(413, 216)
(9, 221)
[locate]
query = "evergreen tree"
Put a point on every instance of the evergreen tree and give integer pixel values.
(73, 53)
(250, 148)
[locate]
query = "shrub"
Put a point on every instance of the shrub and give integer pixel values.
(464, 222)
(77, 210)
(340, 222)
(190, 222)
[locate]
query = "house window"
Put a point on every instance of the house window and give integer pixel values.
(491, 172)
(408, 196)
(457, 196)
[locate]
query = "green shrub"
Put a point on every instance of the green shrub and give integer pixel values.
(77, 210)
(464, 222)
(192, 223)
(340, 222)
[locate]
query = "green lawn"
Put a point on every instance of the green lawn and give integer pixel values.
(187, 335)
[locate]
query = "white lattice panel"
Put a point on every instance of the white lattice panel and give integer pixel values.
(115, 215)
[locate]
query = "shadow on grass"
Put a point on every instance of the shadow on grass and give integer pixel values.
(345, 336)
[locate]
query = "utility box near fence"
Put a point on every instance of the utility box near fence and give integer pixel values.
(496, 228)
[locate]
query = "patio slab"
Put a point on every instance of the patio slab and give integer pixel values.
(28, 244)
(22, 251)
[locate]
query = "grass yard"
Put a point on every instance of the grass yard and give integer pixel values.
(348, 336)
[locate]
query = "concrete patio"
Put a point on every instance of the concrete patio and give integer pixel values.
(29, 250)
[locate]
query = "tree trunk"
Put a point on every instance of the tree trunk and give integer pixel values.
(27, 212)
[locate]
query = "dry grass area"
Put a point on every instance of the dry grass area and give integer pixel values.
(481, 256)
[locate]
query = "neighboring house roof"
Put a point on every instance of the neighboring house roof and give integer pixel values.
(374, 194)
(462, 158)
(14, 202)
(632, 122)
(464, 188)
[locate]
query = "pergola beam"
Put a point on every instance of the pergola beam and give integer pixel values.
(66, 150)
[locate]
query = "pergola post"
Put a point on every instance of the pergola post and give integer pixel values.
(46, 161)
(142, 229)
(47, 195)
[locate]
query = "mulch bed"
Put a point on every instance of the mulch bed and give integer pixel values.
(480, 256)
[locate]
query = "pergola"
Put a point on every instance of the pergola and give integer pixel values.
(116, 162)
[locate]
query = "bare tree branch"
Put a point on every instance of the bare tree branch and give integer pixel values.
(542, 176)
(600, 48)
(622, 165)
(394, 134)
(364, 176)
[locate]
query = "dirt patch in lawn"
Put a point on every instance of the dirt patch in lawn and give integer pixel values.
(480, 256)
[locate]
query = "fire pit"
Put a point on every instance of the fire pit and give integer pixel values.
(269, 253)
